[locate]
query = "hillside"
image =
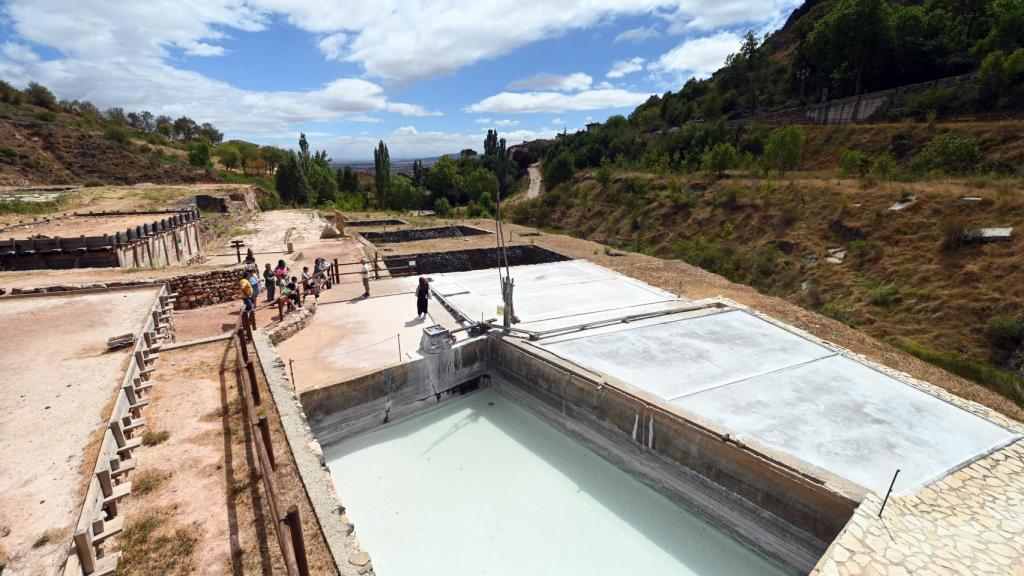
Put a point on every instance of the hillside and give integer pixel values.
(39, 146)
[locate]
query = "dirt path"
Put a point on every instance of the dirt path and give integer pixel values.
(535, 181)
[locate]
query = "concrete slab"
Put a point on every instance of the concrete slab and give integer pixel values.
(854, 421)
(55, 395)
(773, 388)
(678, 358)
(353, 337)
(546, 292)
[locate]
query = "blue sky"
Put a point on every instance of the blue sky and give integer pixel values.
(426, 76)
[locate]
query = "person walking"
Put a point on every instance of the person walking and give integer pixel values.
(422, 294)
(366, 278)
(245, 291)
(271, 281)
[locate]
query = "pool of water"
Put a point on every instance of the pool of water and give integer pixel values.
(480, 486)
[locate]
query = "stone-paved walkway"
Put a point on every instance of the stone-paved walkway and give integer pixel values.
(970, 522)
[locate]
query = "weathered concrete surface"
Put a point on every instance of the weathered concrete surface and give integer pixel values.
(563, 509)
(357, 405)
(773, 388)
(842, 416)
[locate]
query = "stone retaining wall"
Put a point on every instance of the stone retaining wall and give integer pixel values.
(292, 324)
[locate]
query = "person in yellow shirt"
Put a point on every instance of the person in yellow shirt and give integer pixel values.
(245, 289)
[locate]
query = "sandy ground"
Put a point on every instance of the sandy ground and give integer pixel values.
(692, 282)
(204, 481)
(83, 226)
(55, 396)
(270, 233)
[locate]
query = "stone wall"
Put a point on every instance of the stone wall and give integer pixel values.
(197, 290)
(292, 323)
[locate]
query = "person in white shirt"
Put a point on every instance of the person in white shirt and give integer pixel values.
(366, 278)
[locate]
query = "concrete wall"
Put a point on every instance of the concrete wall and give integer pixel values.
(361, 404)
(176, 247)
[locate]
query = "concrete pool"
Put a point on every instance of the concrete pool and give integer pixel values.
(479, 485)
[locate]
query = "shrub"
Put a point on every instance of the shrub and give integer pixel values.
(604, 176)
(852, 162)
(783, 150)
(46, 116)
(948, 154)
(443, 208)
(40, 95)
(9, 94)
(720, 158)
(884, 167)
(559, 169)
(1005, 330)
(116, 134)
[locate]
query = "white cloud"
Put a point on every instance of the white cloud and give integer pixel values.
(637, 35)
(691, 15)
(404, 40)
(698, 57)
(557, 121)
(18, 53)
(405, 109)
(623, 67)
(568, 83)
(483, 120)
(332, 45)
(527, 102)
(408, 142)
(503, 123)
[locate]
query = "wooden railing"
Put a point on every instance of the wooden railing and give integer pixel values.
(287, 525)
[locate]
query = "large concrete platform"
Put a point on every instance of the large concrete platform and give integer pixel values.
(773, 388)
(56, 391)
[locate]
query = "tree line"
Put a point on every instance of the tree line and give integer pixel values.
(836, 48)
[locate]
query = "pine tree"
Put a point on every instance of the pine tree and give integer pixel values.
(382, 175)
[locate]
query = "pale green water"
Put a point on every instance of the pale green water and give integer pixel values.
(479, 486)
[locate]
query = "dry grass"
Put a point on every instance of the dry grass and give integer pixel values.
(154, 543)
(148, 481)
(154, 437)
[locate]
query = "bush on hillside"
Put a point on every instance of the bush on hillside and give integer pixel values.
(1005, 330)
(559, 169)
(720, 158)
(783, 150)
(117, 135)
(884, 167)
(9, 94)
(39, 95)
(853, 163)
(948, 154)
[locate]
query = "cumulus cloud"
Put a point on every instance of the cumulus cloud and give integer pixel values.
(637, 35)
(557, 121)
(569, 82)
(503, 123)
(405, 109)
(18, 53)
(623, 67)
(332, 45)
(690, 15)
(697, 57)
(528, 102)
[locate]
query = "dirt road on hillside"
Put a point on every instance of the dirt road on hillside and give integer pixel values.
(535, 181)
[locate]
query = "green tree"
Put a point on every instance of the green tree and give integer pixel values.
(559, 169)
(444, 179)
(783, 150)
(479, 183)
(229, 156)
(39, 95)
(199, 154)
(291, 182)
(419, 179)
(272, 157)
(850, 37)
(442, 207)
(382, 173)
(403, 195)
(185, 128)
(720, 158)
(853, 163)
(348, 182)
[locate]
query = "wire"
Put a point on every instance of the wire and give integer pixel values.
(389, 338)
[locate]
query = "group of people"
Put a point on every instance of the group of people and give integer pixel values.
(289, 292)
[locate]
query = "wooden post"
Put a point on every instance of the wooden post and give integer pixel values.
(298, 546)
(337, 272)
(250, 368)
(245, 353)
(264, 427)
(86, 554)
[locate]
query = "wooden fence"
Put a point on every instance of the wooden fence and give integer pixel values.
(287, 525)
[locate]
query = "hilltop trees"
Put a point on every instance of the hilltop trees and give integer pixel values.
(305, 179)
(39, 95)
(851, 37)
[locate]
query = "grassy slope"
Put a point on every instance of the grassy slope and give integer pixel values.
(898, 282)
(37, 147)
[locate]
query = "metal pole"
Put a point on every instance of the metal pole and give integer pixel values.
(291, 368)
(399, 336)
(891, 484)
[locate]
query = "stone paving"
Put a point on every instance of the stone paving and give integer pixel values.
(970, 522)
